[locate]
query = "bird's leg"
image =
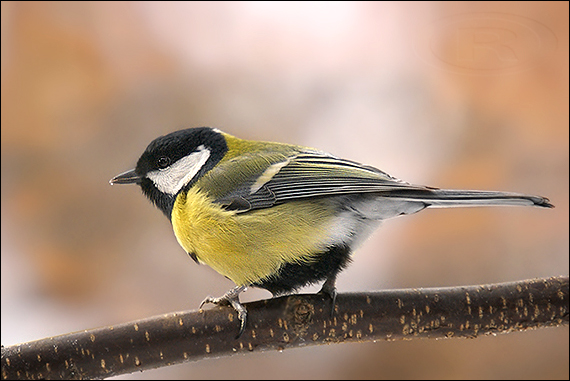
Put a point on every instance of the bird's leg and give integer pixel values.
(231, 298)
(329, 289)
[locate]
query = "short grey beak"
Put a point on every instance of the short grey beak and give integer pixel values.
(129, 177)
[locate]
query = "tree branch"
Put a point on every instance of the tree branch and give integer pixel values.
(289, 322)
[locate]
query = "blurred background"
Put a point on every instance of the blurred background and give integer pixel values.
(454, 95)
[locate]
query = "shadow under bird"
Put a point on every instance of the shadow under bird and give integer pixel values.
(278, 216)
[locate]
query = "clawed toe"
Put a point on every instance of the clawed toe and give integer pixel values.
(329, 289)
(221, 301)
(231, 298)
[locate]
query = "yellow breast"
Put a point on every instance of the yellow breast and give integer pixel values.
(251, 246)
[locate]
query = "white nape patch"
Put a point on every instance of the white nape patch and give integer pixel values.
(267, 175)
(174, 177)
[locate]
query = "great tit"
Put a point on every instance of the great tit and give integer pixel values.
(278, 216)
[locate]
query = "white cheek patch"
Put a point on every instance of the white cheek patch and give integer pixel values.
(173, 178)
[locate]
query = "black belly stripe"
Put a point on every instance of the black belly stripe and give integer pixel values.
(293, 276)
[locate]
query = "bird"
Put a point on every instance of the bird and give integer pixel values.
(278, 216)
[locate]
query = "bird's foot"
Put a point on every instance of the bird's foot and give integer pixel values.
(329, 289)
(231, 298)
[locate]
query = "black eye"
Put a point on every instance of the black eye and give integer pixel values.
(163, 162)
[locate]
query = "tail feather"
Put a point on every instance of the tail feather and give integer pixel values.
(444, 198)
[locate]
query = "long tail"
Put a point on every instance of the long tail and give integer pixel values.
(444, 198)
